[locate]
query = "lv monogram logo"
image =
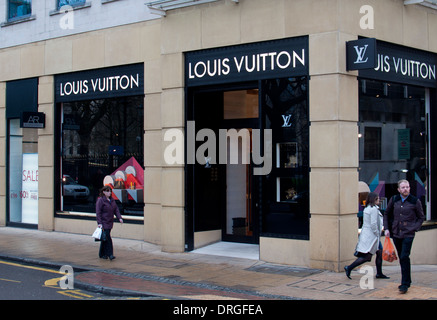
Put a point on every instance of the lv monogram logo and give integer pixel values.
(286, 119)
(361, 52)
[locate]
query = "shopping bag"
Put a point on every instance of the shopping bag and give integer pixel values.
(388, 251)
(97, 234)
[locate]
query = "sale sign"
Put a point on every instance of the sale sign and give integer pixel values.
(29, 188)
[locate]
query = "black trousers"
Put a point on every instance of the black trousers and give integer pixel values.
(106, 248)
(403, 247)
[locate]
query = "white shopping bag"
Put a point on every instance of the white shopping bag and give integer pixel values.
(97, 233)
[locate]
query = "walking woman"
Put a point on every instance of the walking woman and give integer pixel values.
(369, 240)
(106, 208)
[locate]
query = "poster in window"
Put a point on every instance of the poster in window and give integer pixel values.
(29, 188)
(127, 182)
(403, 144)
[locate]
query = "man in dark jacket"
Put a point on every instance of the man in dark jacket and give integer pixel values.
(402, 218)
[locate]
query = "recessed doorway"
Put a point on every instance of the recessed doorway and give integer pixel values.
(222, 191)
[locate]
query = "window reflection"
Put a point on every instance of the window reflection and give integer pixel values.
(102, 143)
(70, 2)
(286, 194)
(19, 8)
(392, 123)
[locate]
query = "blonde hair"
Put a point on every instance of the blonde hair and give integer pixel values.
(402, 181)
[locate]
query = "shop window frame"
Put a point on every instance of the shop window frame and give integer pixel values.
(431, 131)
(299, 172)
(58, 185)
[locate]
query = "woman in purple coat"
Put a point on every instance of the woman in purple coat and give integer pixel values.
(106, 208)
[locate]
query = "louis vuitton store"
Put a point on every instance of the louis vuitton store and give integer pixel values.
(251, 175)
(228, 121)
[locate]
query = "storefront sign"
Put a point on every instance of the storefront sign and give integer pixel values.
(101, 83)
(361, 54)
(35, 120)
(404, 65)
(262, 60)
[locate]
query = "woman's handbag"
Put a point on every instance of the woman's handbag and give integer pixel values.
(388, 251)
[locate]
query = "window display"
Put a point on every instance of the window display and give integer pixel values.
(392, 138)
(286, 192)
(102, 144)
(286, 155)
(23, 174)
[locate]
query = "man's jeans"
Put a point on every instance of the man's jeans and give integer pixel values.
(403, 247)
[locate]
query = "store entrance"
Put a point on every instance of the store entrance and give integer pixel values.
(221, 187)
(240, 216)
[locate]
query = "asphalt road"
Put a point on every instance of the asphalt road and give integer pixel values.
(27, 282)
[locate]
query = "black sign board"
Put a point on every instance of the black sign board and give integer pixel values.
(401, 64)
(361, 54)
(21, 95)
(36, 120)
(247, 62)
(103, 83)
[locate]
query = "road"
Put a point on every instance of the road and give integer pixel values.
(26, 282)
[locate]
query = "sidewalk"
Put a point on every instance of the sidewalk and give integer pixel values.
(141, 268)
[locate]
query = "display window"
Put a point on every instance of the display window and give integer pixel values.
(102, 144)
(394, 139)
(100, 117)
(23, 174)
(286, 188)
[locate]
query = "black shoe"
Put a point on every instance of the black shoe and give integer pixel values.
(403, 288)
(104, 257)
(348, 272)
(382, 276)
(111, 257)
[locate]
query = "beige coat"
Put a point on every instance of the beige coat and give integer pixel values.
(371, 231)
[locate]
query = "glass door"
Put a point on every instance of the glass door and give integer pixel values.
(241, 115)
(240, 222)
(23, 174)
